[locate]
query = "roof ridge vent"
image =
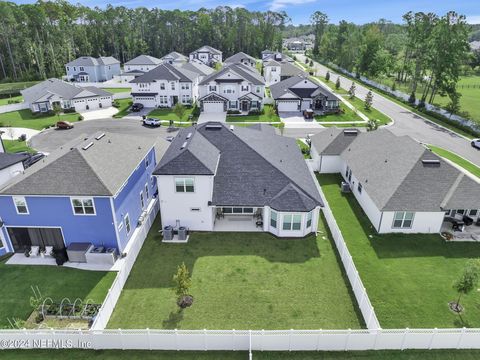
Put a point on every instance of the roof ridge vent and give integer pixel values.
(189, 135)
(100, 136)
(350, 132)
(88, 146)
(184, 145)
(431, 162)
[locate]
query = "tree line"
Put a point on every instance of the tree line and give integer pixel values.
(427, 49)
(37, 40)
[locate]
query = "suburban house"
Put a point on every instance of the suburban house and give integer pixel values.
(299, 93)
(219, 178)
(235, 87)
(165, 85)
(275, 71)
(90, 69)
(197, 67)
(44, 96)
(92, 190)
(295, 44)
(241, 58)
(400, 185)
(11, 164)
(174, 58)
(275, 55)
(138, 66)
(207, 55)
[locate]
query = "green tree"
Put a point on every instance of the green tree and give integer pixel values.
(352, 91)
(372, 125)
(319, 21)
(453, 106)
(467, 281)
(57, 109)
(281, 127)
(368, 100)
(327, 76)
(179, 110)
(182, 281)
(337, 83)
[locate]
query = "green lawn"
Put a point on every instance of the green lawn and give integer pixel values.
(117, 90)
(16, 86)
(15, 146)
(253, 118)
(168, 114)
(304, 148)
(408, 277)
(460, 161)
(348, 115)
(372, 113)
(53, 281)
(5, 101)
(331, 85)
(239, 281)
(25, 119)
(74, 354)
(124, 107)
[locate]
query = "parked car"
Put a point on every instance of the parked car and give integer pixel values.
(32, 159)
(476, 143)
(152, 122)
(64, 125)
(137, 107)
(170, 138)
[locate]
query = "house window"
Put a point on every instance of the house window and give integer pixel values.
(359, 188)
(473, 212)
(461, 211)
(83, 206)
(229, 90)
(233, 104)
(68, 69)
(292, 222)
(172, 85)
(244, 87)
(237, 210)
(147, 195)
(212, 88)
(81, 68)
(162, 86)
(127, 224)
(20, 204)
(184, 185)
(403, 219)
(309, 219)
(197, 209)
(274, 69)
(273, 219)
(258, 89)
(185, 86)
(142, 201)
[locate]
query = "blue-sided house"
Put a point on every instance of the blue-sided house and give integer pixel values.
(92, 190)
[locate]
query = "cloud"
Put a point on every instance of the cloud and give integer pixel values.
(474, 19)
(276, 5)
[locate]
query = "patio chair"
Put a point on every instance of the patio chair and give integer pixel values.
(219, 214)
(34, 250)
(48, 251)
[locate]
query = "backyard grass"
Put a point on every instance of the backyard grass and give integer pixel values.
(348, 115)
(304, 148)
(118, 90)
(75, 354)
(168, 114)
(5, 101)
(25, 119)
(123, 107)
(408, 277)
(239, 281)
(331, 85)
(55, 282)
(15, 146)
(460, 161)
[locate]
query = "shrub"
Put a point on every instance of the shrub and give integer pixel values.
(69, 111)
(233, 112)
(412, 99)
(254, 112)
(80, 117)
(22, 137)
(196, 111)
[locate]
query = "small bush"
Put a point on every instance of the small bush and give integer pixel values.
(69, 111)
(80, 117)
(233, 112)
(22, 137)
(13, 101)
(254, 112)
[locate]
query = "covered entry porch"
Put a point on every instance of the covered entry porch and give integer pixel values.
(239, 219)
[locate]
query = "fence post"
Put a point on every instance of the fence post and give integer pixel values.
(290, 340)
(347, 339)
(121, 338)
(233, 339)
(432, 338)
(404, 338)
(205, 339)
(371, 314)
(250, 344)
(149, 340)
(318, 339)
(461, 338)
(176, 339)
(263, 339)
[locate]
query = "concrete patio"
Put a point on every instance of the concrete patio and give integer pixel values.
(237, 223)
(469, 233)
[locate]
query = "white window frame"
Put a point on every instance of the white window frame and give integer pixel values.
(147, 161)
(142, 200)
(403, 219)
(309, 218)
(147, 191)
(82, 199)
(242, 212)
(291, 222)
(273, 218)
(20, 198)
(128, 225)
(184, 180)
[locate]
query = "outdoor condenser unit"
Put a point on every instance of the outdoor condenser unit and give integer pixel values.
(182, 233)
(345, 187)
(168, 233)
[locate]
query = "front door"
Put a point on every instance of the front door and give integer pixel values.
(174, 100)
(318, 104)
(244, 105)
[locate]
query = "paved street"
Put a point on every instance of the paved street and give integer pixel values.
(407, 122)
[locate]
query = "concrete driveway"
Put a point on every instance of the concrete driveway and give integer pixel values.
(99, 113)
(138, 115)
(205, 117)
(51, 139)
(407, 122)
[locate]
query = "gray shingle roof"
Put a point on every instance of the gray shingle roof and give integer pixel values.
(91, 61)
(288, 69)
(332, 141)
(175, 55)
(100, 170)
(198, 67)
(166, 72)
(207, 48)
(280, 88)
(244, 72)
(238, 57)
(144, 60)
(255, 167)
(9, 159)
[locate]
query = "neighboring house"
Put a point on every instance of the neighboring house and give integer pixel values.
(174, 58)
(197, 67)
(300, 93)
(217, 178)
(400, 185)
(234, 87)
(90, 69)
(475, 45)
(138, 66)
(11, 164)
(91, 190)
(277, 56)
(241, 58)
(275, 71)
(44, 96)
(207, 55)
(166, 85)
(295, 44)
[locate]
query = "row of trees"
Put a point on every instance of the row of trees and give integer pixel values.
(427, 49)
(36, 40)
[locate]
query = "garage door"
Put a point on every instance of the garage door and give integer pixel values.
(287, 106)
(80, 105)
(213, 106)
(146, 101)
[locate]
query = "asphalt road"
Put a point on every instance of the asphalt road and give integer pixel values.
(407, 122)
(51, 139)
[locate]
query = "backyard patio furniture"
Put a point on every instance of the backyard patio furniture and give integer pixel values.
(34, 251)
(219, 214)
(458, 225)
(467, 220)
(48, 251)
(258, 214)
(259, 223)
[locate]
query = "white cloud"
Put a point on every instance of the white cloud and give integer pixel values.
(474, 19)
(234, 6)
(276, 5)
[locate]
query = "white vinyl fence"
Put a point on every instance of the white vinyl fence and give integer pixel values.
(135, 245)
(13, 107)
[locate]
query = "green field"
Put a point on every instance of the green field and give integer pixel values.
(16, 146)
(460, 161)
(408, 277)
(239, 281)
(25, 119)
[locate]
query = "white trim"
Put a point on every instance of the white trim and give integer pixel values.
(115, 225)
(83, 198)
(127, 230)
(142, 200)
(32, 227)
(184, 184)
(15, 204)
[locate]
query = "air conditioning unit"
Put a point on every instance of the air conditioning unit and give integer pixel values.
(182, 233)
(168, 233)
(345, 187)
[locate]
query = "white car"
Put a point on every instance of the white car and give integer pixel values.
(152, 122)
(476, 143)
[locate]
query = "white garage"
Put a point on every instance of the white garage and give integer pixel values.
(287, 105)
(146, 101)
(80, 105)
(213, 106)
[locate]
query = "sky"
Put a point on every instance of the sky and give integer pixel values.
(357, 11)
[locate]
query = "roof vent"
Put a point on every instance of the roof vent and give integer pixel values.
(431, 162)
(100, 136)
(350, 132)
(88, 146)
(184, 145)
(213, 127)
(189, 135)
(232, 127)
